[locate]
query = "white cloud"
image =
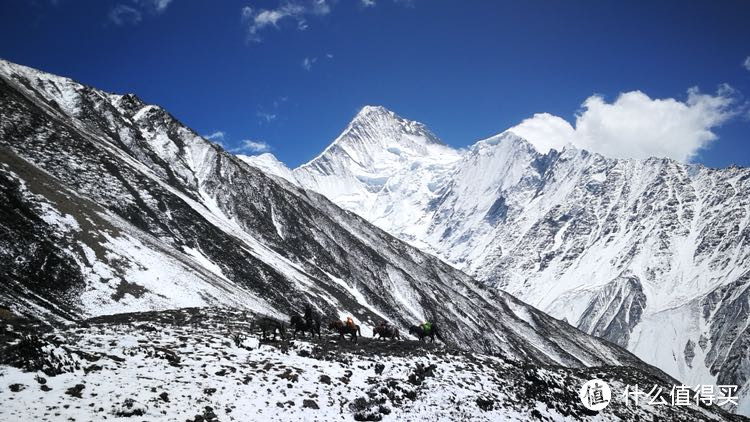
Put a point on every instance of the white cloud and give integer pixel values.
(329, 55)
(157, 6)
(246, 146)
(272, 17)
(258, 20)
(266, 117)
(124, 15)
(308, 62)
(250, 146)
(545, 131)
(321, 7)
(247, 12)
(746, 63)
(267, 114)
(636, 126)
(297, 11)
(217, 136)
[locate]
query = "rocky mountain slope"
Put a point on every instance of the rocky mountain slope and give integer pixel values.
(111, 205)
(650, 254)
(207, 364)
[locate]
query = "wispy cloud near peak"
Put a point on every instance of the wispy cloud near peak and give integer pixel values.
(159, 5)
(252, 147)
(266, 117)
(132, 13)
(297, 11)
(217, 136)
(308, 62)
(125, 15)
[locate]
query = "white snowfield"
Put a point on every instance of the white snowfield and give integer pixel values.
(651, 254)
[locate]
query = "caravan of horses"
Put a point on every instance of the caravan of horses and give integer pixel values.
(310, 322)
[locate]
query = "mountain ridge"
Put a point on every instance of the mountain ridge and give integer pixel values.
(166, 219)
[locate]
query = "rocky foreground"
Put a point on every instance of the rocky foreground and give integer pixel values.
(201, 364)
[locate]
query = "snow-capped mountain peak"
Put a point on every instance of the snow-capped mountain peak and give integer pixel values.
(386, 120)
(371, 110)
(506, 140)
(376, 133)
(383, 163)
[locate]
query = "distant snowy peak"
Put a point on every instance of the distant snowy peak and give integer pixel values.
(491, 166)
(269, 164)
(381, 164)
(379, 117)
(377, 134)
(503, 144)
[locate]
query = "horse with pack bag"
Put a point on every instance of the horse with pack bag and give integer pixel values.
(343, 328)
(426, 329)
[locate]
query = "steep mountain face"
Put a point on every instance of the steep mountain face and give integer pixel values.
(110, 205)
(383, 167)
(652, 254)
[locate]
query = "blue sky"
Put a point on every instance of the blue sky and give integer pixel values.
(290, 74)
